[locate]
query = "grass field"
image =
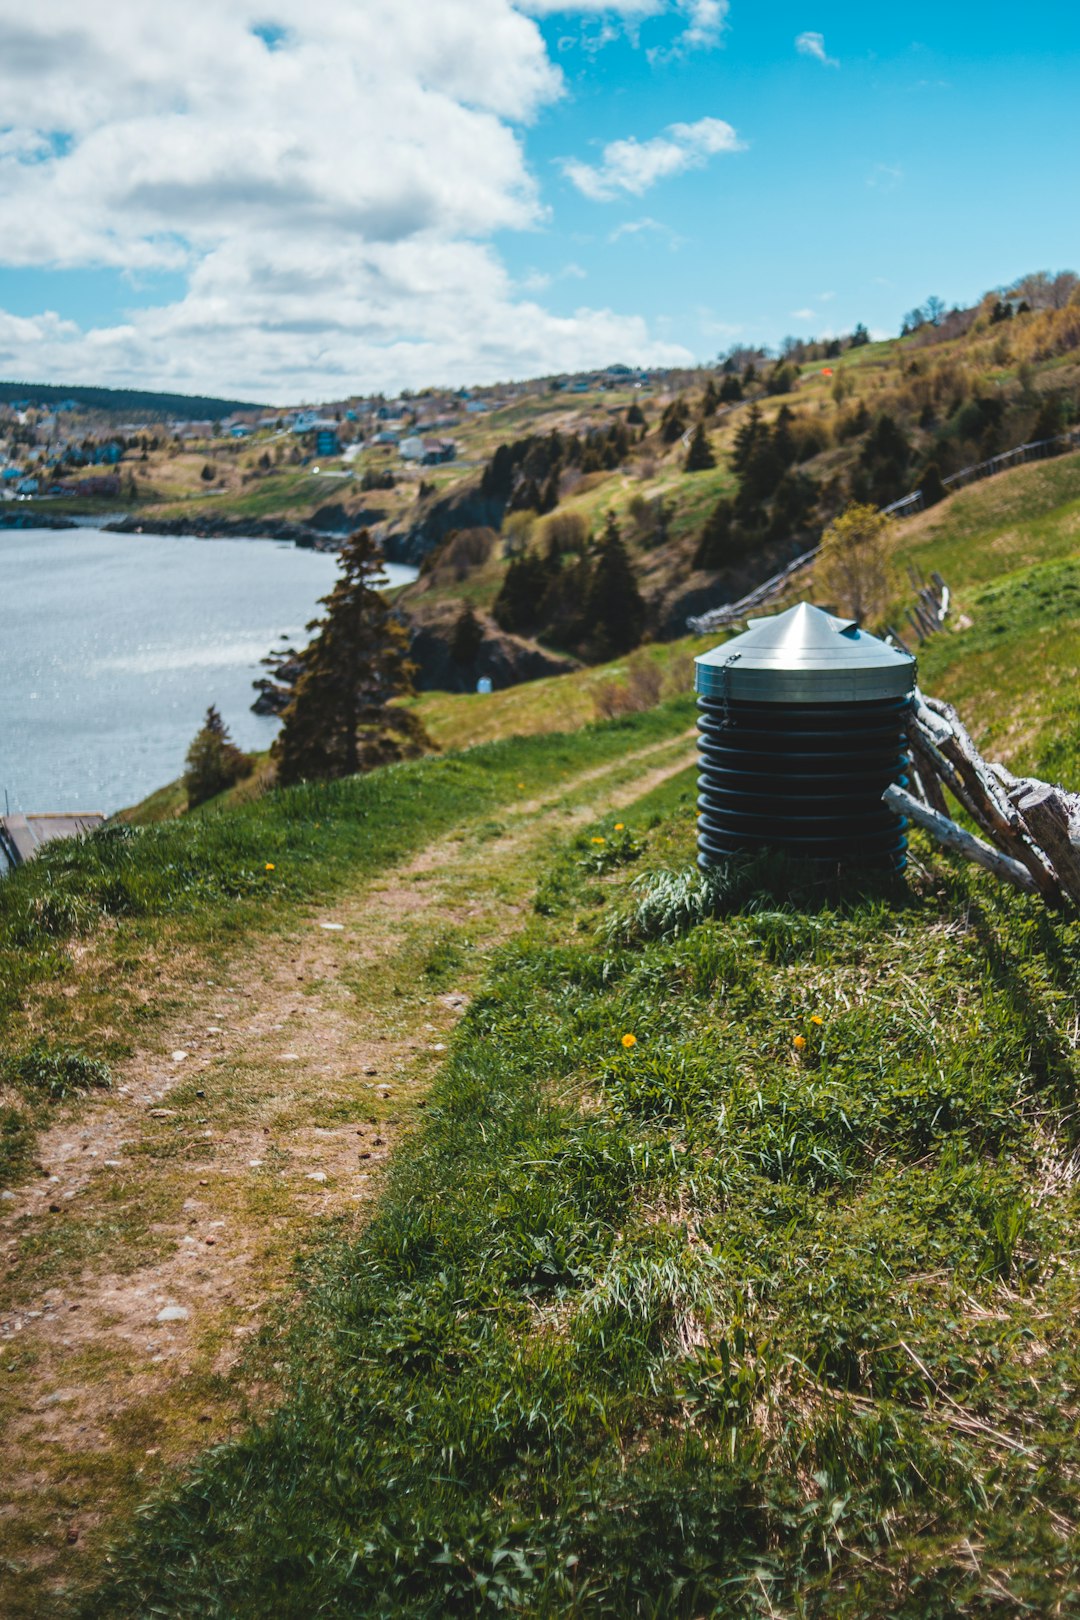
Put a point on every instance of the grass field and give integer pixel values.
(730, 1273)
(726, 1260)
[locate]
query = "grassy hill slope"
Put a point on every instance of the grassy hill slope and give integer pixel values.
(727, 1266)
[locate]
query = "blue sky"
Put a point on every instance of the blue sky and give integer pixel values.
(935, 156)
(285, 202)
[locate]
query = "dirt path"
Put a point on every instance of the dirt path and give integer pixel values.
(148, 1267)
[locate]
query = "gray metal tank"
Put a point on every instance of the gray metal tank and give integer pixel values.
(801, 729)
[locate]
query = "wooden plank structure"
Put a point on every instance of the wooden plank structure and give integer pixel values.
(22, 836)
(1031, 829)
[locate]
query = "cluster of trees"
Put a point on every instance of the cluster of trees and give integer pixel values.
(525, 475)
(774, 499)
(586, 599)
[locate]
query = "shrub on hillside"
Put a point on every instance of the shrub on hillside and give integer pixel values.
(852, 568)
(214, 762)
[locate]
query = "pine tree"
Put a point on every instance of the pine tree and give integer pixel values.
(710, 400)
(214, 762)
(932, 486)
(517, 606)
(614, 610)
(674, 421)
(746, 439)
(699, 456)
(782, 440)
(339, 718)
(467, 639)
(714, 548)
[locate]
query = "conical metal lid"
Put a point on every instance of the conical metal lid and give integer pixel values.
(805, 656)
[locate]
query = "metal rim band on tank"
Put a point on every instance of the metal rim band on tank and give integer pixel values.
(801, 729)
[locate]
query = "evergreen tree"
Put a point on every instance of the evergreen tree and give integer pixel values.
(932, 486)
(710, 400)
(517, 606)
(782, 440)
(339, 718)
(746, 438)
(467, 639)
(731, 390)
(673, 423)
(635, 416)
(762, 474)
(614, 610)
(214, 762)
(859, 338)
(699, 456)
(718, 544)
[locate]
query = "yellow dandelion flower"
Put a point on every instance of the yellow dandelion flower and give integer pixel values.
(521, 784)
(815, 1018)
(269, 866)
(799, 1042)
(629, 1040)
(620, 826)
(599, 840)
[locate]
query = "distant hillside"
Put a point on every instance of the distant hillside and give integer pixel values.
(194, 407)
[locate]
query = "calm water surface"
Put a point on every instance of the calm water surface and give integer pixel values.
(113, 645)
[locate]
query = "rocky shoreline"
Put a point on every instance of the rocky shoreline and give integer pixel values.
(33, 520)
(222, 528)
(324, 531)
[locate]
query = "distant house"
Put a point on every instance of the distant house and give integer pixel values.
(327, 442)
(26, 486)
(436, 451)
(386, 436)
(412, 448)
(240, 430)
(106, 455)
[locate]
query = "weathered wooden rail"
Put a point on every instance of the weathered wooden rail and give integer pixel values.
(1031, 828)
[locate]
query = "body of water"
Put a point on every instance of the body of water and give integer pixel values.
(113, 645)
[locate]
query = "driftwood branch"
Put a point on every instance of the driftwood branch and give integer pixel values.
(939, 736)
(961, 842)
(1029, 827)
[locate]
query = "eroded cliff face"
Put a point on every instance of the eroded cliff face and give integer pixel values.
(464, 508)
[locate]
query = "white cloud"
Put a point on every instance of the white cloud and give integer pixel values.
(704, 21)
(539, 280)
(275, 324)
(803, 315)
(633, 166)
(327, 180)
(811, 44)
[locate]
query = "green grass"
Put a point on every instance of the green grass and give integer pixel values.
(771, 1311)
(198, 883)
(1029, 515)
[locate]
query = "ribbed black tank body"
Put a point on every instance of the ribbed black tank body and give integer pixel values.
(803, 777)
